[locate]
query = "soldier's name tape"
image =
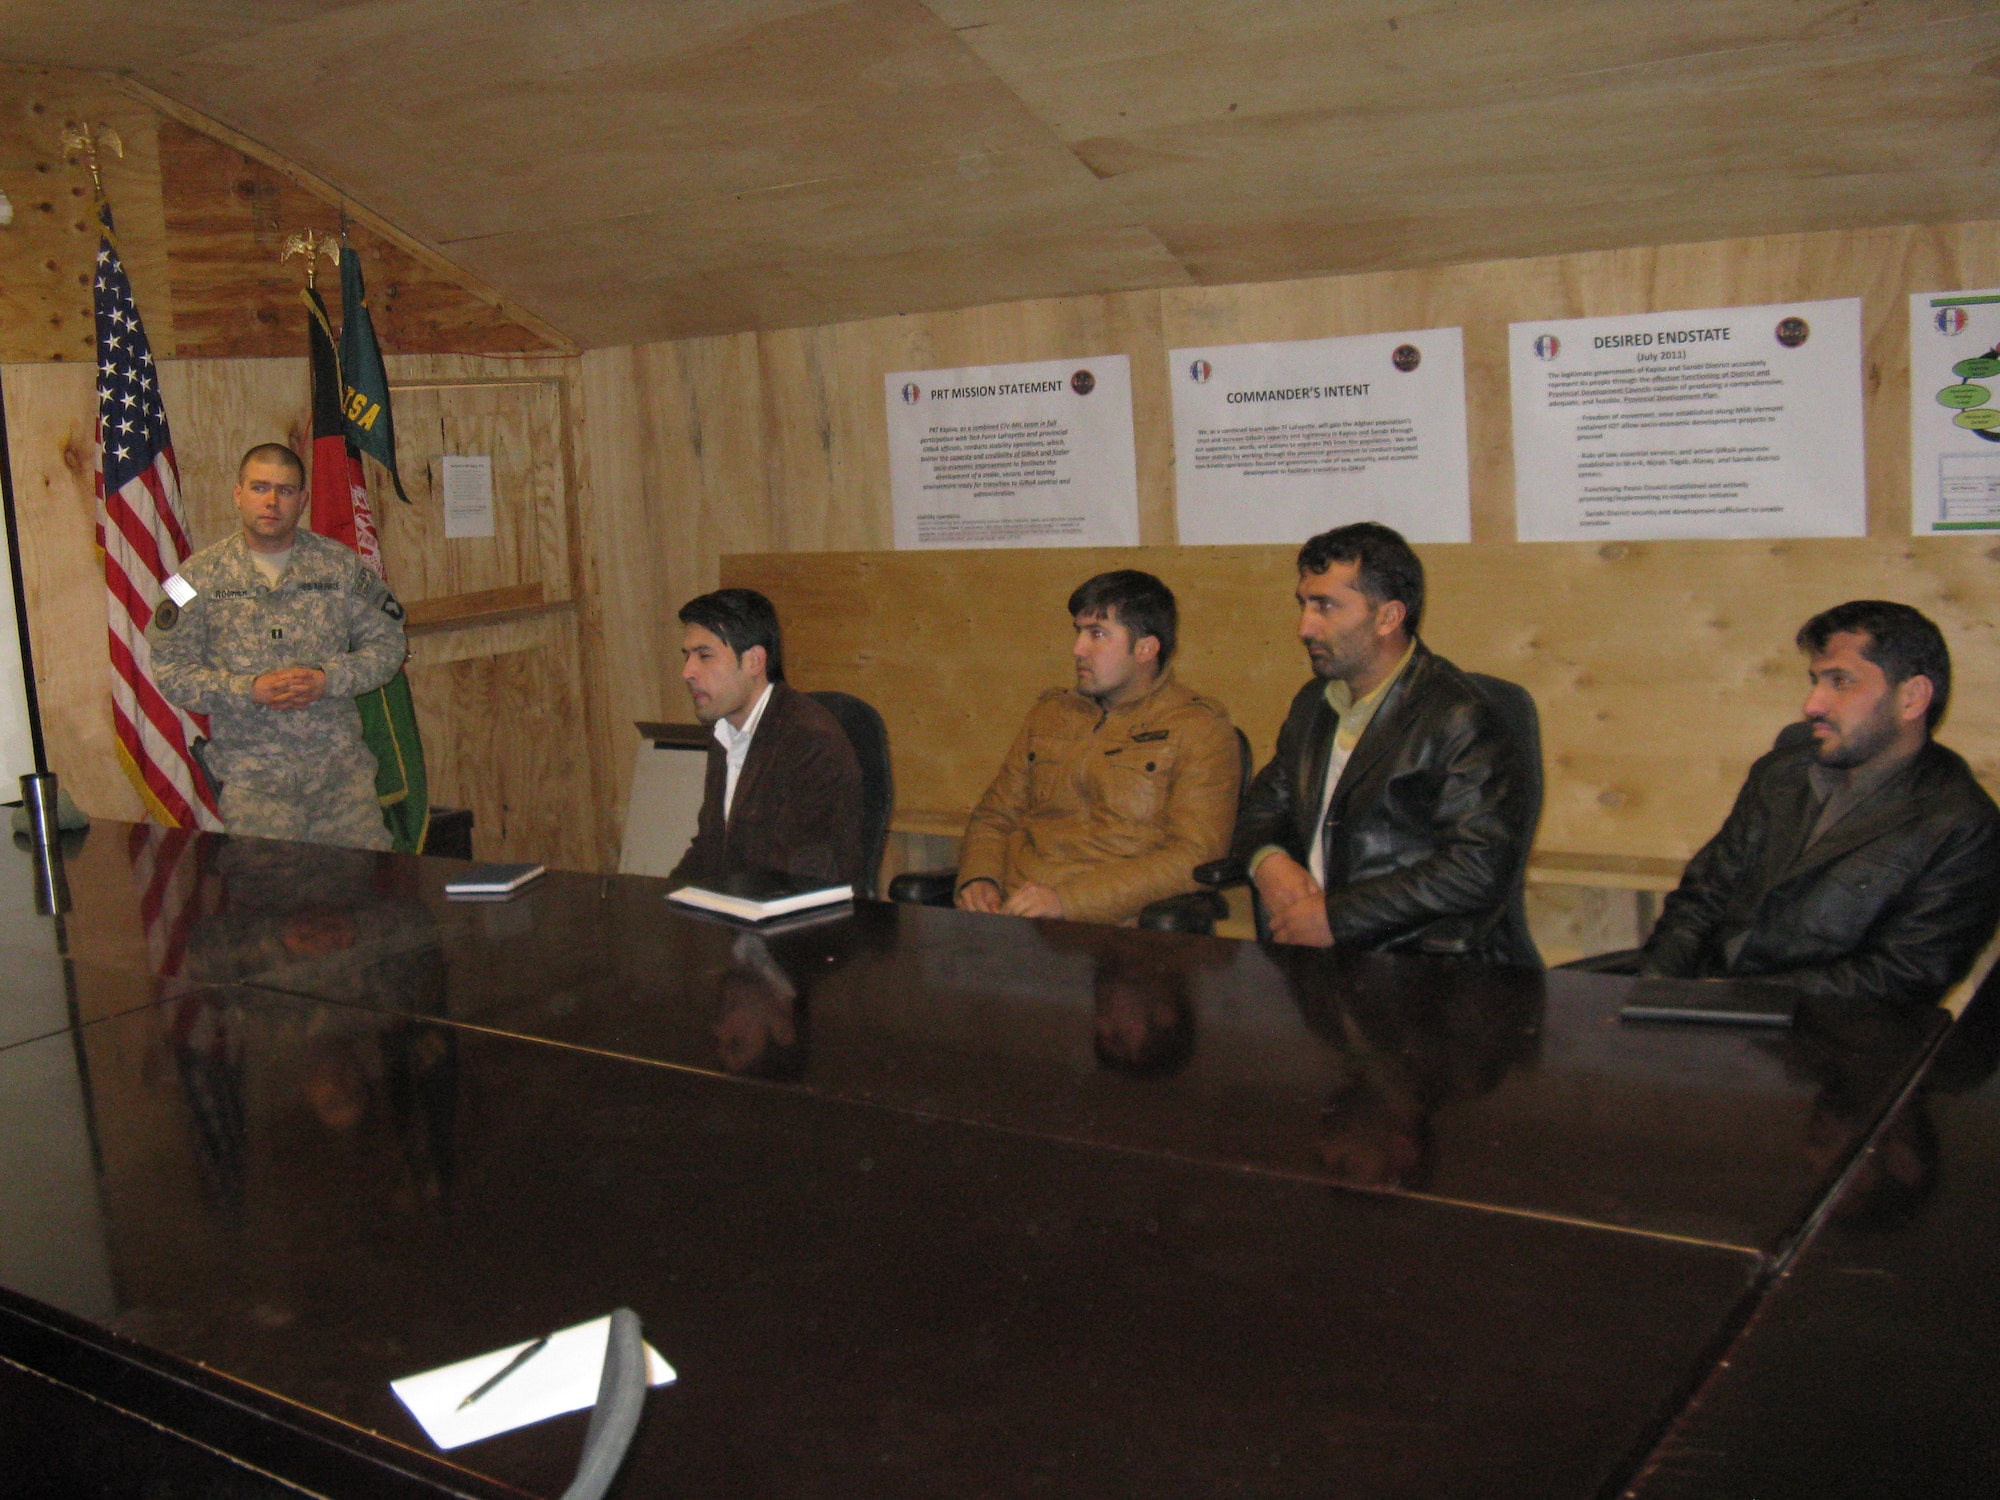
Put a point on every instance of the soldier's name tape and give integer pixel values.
(179, 592)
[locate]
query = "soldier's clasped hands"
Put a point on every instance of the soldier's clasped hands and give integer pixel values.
(290, 687)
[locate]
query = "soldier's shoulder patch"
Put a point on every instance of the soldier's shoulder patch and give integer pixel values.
(391, 606)
(167, 616)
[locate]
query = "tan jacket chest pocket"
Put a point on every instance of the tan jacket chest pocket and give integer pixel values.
(1048, 771)
(1134, 782)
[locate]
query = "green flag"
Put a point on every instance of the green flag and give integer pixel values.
(340, 512)
(389, 725)
(364, 394)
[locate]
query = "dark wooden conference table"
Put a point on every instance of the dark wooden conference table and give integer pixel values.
(924, 1203)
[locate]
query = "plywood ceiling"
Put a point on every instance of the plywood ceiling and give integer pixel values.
(633, 169)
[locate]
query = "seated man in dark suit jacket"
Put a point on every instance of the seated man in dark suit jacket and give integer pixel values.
(1390, 816)
(784, 788)
(1861, 859)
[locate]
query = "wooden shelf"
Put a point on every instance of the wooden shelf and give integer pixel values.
(466, 609)
(1624, 872)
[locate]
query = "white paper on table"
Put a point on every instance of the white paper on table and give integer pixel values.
(564, 1377)
(467, 482)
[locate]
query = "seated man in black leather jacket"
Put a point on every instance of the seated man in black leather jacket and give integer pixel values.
(1390, 816)
(1861, 859)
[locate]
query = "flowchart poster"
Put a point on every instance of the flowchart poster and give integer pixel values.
(1028, 455)
(1720, 422)
(1954, 412)
(1275, 442)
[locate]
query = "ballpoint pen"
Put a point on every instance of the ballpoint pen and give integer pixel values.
(512, 1365)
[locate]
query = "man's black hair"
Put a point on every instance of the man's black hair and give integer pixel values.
(741, 618)
(1901, 641)
(1389, 569)
(275, 453)
(1138, 601)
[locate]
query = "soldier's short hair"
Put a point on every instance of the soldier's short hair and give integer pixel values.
(271, 453)
(1138, 601)
(740, 618)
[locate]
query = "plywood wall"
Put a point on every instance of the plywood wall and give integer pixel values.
(507, 690)
(505, 660)
(227, 217)
(201, 226)
(1662, 668)
(47, 253)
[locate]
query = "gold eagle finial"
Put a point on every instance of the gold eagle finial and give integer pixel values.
(311, 244)
(85, 142)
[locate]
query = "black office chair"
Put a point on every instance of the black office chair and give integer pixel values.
(1516, 707)
(1199, 911)
(1191, 911)
(870, 738)
(924, 887)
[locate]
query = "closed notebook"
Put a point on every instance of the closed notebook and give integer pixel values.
(1738, 1002)
(759, 895)
(493, 880)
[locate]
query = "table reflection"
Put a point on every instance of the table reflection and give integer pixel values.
(1404, 1056)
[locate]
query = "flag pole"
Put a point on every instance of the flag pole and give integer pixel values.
(39, 792)
(21, 604)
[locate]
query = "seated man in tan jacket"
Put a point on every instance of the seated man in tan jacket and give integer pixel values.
(1113, 791)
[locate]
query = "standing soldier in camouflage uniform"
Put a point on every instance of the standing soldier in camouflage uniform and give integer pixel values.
(273, 633)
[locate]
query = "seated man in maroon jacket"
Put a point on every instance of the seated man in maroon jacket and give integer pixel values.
(784, 788)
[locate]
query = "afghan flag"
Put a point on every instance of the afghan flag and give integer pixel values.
(340, 511)
(364, 389)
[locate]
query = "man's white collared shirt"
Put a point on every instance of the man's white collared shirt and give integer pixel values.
(736, 747)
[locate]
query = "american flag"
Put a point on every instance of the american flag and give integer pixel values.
(175, 893)
(142, 532)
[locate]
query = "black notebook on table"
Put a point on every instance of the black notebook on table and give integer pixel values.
(1732, 1002)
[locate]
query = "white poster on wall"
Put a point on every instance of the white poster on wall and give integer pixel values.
(1954, 412)
(1722, 422)
(467, 483)
(1275, 442)
(1028, 455)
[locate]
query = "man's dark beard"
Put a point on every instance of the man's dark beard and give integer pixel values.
(1867, 741)
(1328, 665)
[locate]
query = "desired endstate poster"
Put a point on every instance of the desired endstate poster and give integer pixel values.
(1717, 422)
(1954, 412)
(1275, 442)
(1028, 455)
